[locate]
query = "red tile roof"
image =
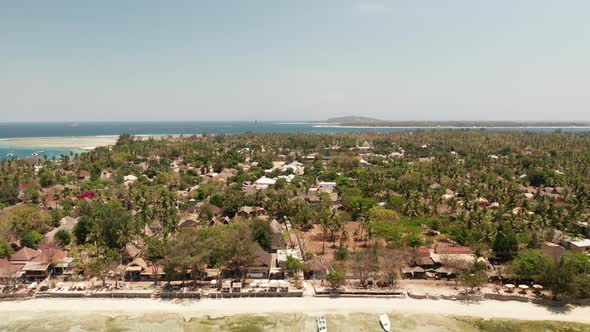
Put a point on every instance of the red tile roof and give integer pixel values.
(7, 270)
(25, 254)
(423, 256)
(55, 255)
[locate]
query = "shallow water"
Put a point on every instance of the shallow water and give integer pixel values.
(269, 322)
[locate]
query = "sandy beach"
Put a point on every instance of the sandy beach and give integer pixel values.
(285, 314)
(76, 143)
(311, 306)
(73, 142)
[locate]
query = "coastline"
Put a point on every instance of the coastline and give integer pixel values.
(487, 309)
(40, 143)
(327, 125)
(69, 142)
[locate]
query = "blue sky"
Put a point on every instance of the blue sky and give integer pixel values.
(294, 60)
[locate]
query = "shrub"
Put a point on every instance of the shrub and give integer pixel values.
(30, 238)
(5, 249)
(341, 254)
(63, 237)
(335, 279)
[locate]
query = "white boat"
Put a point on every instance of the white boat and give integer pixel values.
(322, 326)
(385, 323)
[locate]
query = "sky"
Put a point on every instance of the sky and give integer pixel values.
(71, 60)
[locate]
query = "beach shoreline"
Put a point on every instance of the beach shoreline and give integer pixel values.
(487, 309)
(327, 125)
(74, 142)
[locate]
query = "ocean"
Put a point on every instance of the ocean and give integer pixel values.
(74, 129)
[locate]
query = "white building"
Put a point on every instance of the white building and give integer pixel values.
(264, 183)
(327, 186)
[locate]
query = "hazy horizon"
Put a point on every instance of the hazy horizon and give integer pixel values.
(278, 121)
(398, 60)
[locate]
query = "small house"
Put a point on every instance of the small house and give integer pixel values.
(263, 263)
(134, 269)
(414, 272)
(246, 212)
(327, 186)
(36, 271)
(24, 255)
(579, 245)
(552, 249)
(8, 271)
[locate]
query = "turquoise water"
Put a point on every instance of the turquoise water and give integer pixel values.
(17, 130)
(11, 153)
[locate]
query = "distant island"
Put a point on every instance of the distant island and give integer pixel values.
(363, 121)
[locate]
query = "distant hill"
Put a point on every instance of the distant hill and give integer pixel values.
(344, 120)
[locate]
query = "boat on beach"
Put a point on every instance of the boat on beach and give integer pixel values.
(321, 322)
(385, 323)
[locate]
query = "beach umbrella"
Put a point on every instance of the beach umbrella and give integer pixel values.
(509, 286)
(523, 287)
(538, 287)
(213, 282)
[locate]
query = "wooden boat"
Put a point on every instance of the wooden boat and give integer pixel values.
(385, 323)
(322, 326)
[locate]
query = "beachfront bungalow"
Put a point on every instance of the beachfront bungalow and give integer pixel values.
(415, 272)
(134, 269)
(36, 271)
(422, 257)
(447, 256)
(152, 273)
(24, 255)
(62, 266)
(315, 268)
(444, 272)
(8, 271)
(263, 266)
